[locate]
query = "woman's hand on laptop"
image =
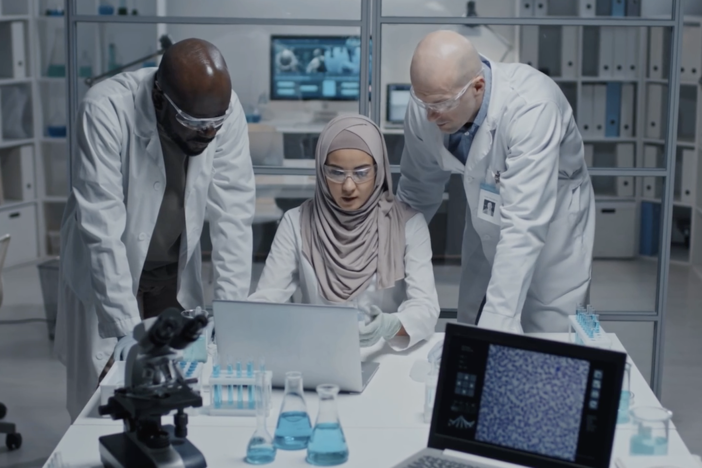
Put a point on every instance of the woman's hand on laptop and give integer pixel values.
(381, 325)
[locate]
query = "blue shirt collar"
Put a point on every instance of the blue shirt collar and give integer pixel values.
(482, 113)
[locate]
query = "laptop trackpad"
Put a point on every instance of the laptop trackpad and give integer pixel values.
(368, 370)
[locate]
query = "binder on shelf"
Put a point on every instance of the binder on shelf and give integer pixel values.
(569, 51)
(606, 51)
(585, 108)
(620, 49)
(587, 8)
(526, 7)
(530, 46)
(603, 7)
(625, 158)
(633, 8)
(626, 115)
(589, 155)
(27, 169)
(541, 8)
(691, 59)
(649, 237)
(599, 111)
(614, 105)
(689, 175)
(631, 57)
(12, 51)
(650, 160)
(654, 111)
(618, 7)
(655, 53)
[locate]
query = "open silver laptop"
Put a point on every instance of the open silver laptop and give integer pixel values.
(319, 341)
(522, 400)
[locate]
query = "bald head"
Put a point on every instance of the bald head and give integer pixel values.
(194, 75)
(442, 61)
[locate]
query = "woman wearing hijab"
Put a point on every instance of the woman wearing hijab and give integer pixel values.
(354, 244)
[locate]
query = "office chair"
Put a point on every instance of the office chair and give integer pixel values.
(13, 439)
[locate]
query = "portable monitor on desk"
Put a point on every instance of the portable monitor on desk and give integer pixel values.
(522, 400)
(320, 341)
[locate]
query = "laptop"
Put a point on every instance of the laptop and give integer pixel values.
(398, 96)
(320, 341)
(522, 400)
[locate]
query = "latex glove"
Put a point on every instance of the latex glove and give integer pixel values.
(124, 344)
(381, 325)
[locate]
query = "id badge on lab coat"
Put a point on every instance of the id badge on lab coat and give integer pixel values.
(489, 203)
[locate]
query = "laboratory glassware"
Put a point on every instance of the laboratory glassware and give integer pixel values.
(327, 446)
(261, 449)
(57, 59)
(651, 437)
(85, 66)
(627, 397)
(294, 427)
(430, 390)
(106, 8)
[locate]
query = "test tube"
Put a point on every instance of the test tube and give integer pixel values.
(249, 373)
(217, 388)
(262, 364)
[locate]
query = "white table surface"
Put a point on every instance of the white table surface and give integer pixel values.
(383, 425)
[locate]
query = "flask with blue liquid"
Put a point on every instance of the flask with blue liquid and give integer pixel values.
(294, 427)
(261, 449)
(327, 446)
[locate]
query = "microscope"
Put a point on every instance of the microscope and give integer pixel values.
(153, 388)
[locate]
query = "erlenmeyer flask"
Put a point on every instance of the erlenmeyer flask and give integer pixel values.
(57, 59)
(294, 427)
(85, 66)
(260, 450)
(327, 445)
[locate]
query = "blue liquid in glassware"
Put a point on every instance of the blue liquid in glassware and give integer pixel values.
(293, 431)
(623, 413)
(259, 452)
(327, 445)
(643, 445)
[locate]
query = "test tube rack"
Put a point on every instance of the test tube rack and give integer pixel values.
(230, 394)
(585, 330)
(191, 370)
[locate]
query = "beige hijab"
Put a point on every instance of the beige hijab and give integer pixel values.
(346, 248)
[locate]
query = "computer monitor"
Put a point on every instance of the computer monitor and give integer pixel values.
(315, 67)
(398, 97)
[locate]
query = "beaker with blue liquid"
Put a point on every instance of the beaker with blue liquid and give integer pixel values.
(260, 450)
(294, 427)
(651, 437)
(327, 446)
(626, 399)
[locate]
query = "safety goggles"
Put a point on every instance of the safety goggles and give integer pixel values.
(442, 106)
(194, 123)
(359, 175)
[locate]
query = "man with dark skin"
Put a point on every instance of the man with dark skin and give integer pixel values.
(159, 153)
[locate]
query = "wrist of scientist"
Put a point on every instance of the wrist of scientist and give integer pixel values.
(381, 325)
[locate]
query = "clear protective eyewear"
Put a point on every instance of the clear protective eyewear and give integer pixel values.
(443, 106)
(194, 123)
(359, 175)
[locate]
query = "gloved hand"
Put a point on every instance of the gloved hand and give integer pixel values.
(124, 344)
(382, 325)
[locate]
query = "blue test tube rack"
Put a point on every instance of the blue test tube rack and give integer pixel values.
(191, 370)
(585, 329)
(234, 401)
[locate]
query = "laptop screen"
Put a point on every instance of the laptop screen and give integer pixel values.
(526, 400)
(398, 99)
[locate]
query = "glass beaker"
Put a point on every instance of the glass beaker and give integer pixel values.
(294, 427)
(57, 59)
(85, 66)
(651, 437)
(327, 446)
(627, 397)
(106, 8)
(260, 450)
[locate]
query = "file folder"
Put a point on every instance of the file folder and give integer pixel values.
(655, 53)
(606, 51)
(569, 51)
(614, 105)
(650, 228)
(650, 160)
(691, 59)
(689, 176)
(27, 170)
(12, 51)
(603, 7)
(599, 111)
(618, 7)
(587, 8)
(625, 158)
(526, 7)
(620, 50)
(654, 112)
(589, 155)
(631, 57)
(541, 8)
(530, 46)
(585, 108)
(633, 8)
(626, 116)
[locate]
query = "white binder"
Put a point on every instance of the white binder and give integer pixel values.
(27, 169)
(587, 7)
(655, 53)
(650, 160)
(606, 51)
(691, 59)
(19, 57)
(631, 58)
(625, 158)
(689, 175)
(619, 50)
(541, 8)
(589, 155)
(599, 111)
(569, 51)
(654, 112)
(530, 46)
(626, 115)
(585, 107)
(526, 7)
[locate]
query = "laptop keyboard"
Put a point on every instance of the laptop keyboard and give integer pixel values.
(434, 462)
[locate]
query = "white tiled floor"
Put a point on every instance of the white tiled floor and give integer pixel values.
(32, 382)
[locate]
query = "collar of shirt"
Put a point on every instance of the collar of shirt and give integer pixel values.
(482, 112)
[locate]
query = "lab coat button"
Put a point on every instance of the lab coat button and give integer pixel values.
(100, 356)
(142, 236)
(157, 186)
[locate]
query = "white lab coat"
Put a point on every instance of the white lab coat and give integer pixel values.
(414, 298)
(536, 266)
(118, 184)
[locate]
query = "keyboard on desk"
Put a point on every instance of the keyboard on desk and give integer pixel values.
(428, 461)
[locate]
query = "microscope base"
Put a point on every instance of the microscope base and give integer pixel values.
(123, 450)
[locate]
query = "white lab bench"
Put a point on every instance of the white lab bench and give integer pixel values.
(383, 425)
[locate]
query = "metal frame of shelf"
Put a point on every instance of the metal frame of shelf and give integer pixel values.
(371, 24)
